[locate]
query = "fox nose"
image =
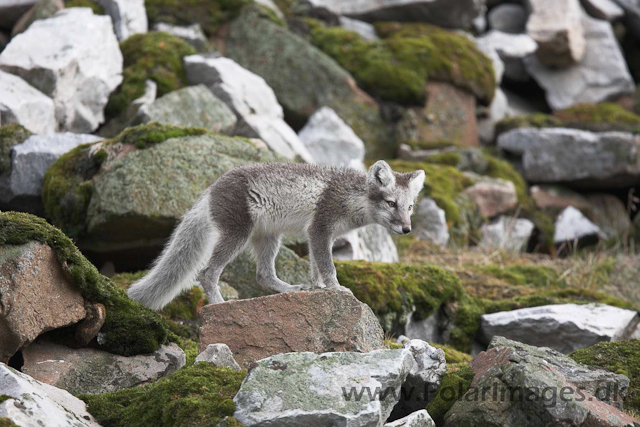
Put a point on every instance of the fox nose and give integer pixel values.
(406, 230)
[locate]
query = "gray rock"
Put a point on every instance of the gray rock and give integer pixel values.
(509, 18)
(510, 234)
(253, 101)
(12, 10)
(42, 10)
(603, 9)
(424, 329)
(129, 16)
(33, 403)
(313, 389)
(419, 418)
(22, 103)
(559, 155)
(557, 27)
(193, 106)
(192, 34)
(370, 243)
(492, 53)
(430, 222)
(563, 327)
(219, 355)
(331, 141)
(571, 225)
(271, 5)
(74, 58)
(610, 214)
(602, 74)
(130, 114)
(498, 110)
(366, 30)
(91, 371)
(494, 196)
(512, 49)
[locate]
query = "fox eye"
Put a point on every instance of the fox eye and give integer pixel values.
(410, 207)
(391, 204)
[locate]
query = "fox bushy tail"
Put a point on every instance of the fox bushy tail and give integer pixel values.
(183, 257)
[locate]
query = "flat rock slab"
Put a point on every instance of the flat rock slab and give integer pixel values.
(318, 321)
(91, 371)
(563, 327)
(36, 296)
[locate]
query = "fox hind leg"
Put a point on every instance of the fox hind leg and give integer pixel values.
(265, 249)
(227, 248)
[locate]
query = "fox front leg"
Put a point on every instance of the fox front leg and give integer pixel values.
(320, 255)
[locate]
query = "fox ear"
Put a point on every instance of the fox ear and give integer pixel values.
(380, 174)
(416, 182)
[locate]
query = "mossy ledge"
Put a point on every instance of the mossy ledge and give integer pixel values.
(129, 328)
(10, 136)
(97, 9)
(197, 395)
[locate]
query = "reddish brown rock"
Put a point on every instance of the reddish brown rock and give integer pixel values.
(318, 321)
(35, 296)
(493, 196)
(557, 198)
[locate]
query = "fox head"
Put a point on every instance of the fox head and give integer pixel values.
(393, 195)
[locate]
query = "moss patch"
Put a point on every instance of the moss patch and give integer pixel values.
(454, 384)
(521, 275)
(198, 395)
(154, 55)
(10, 136)
(129, 327)
(6, 422)
(4, 397)
(599, 117)
(432, 145)
(97, 9)
(453, 356)
(621, 357)
(537, 120)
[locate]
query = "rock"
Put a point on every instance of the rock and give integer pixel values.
(498, 110)
(73, 39)
(219, 355)
(91, 371)
(580, 158)
(129, 16)
(449, 14)
(430, 222)
(417, 419)
(557, 27)
(192, 34)
(4, 40)
(41, 10)
(88, 328)
(493, 196)
(571, 225)
(36, 296)
(366, 30)
(492, 53)
(29, 162)
(253, 101)
(331, 141)
(631, 10)
(428, 329)
(557, 198)
(333, 388)
(369, 243)
(512, 49)
(563, 327)
(533, 384)
(130, 114)
(609, 214)
(33, 403)
(12, 10)
(603, 9)
(193, 106)
(509, 18)
(262, 46)
(510, 234)
(21, 103)
(302, 321)
(602, 74)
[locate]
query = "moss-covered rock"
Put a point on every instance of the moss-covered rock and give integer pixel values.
(621, 357)
(599, 117)
(97, 9)
(154, 55)
(6, 422)
(198, 395)
(536, 120)
(129, 327)
(454, 384)
(453, 356)
(11, 135)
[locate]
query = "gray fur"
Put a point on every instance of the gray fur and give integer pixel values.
(261, 202)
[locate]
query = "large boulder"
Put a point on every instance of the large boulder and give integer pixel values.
(192, 106)
(129, 16)
(253, 101)
(581, 158)
(22, 103)
(564, 327)
(602, 73)
(350, 389)
(91, 371)
(27, 402)
(316, 321)
(74, 58)
(21, 181)
(37, 296)
(533, 386)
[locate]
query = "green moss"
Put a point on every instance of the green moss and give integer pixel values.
(129, 327)
(154, 55)
(4, 397)
(197, 395)
(210, 14)
(533, 275)
(454, 384)
(97, 9)
(10, 136)
(432, 145)
(6, 422)
(397, 68)
(599, 117)
(453, 356)
(446, 159)
(536, 120)
(621, 357)
(285, 6)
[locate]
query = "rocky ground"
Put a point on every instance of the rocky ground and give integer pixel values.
(513, 303)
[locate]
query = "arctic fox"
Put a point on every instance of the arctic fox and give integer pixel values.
(258, 203)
